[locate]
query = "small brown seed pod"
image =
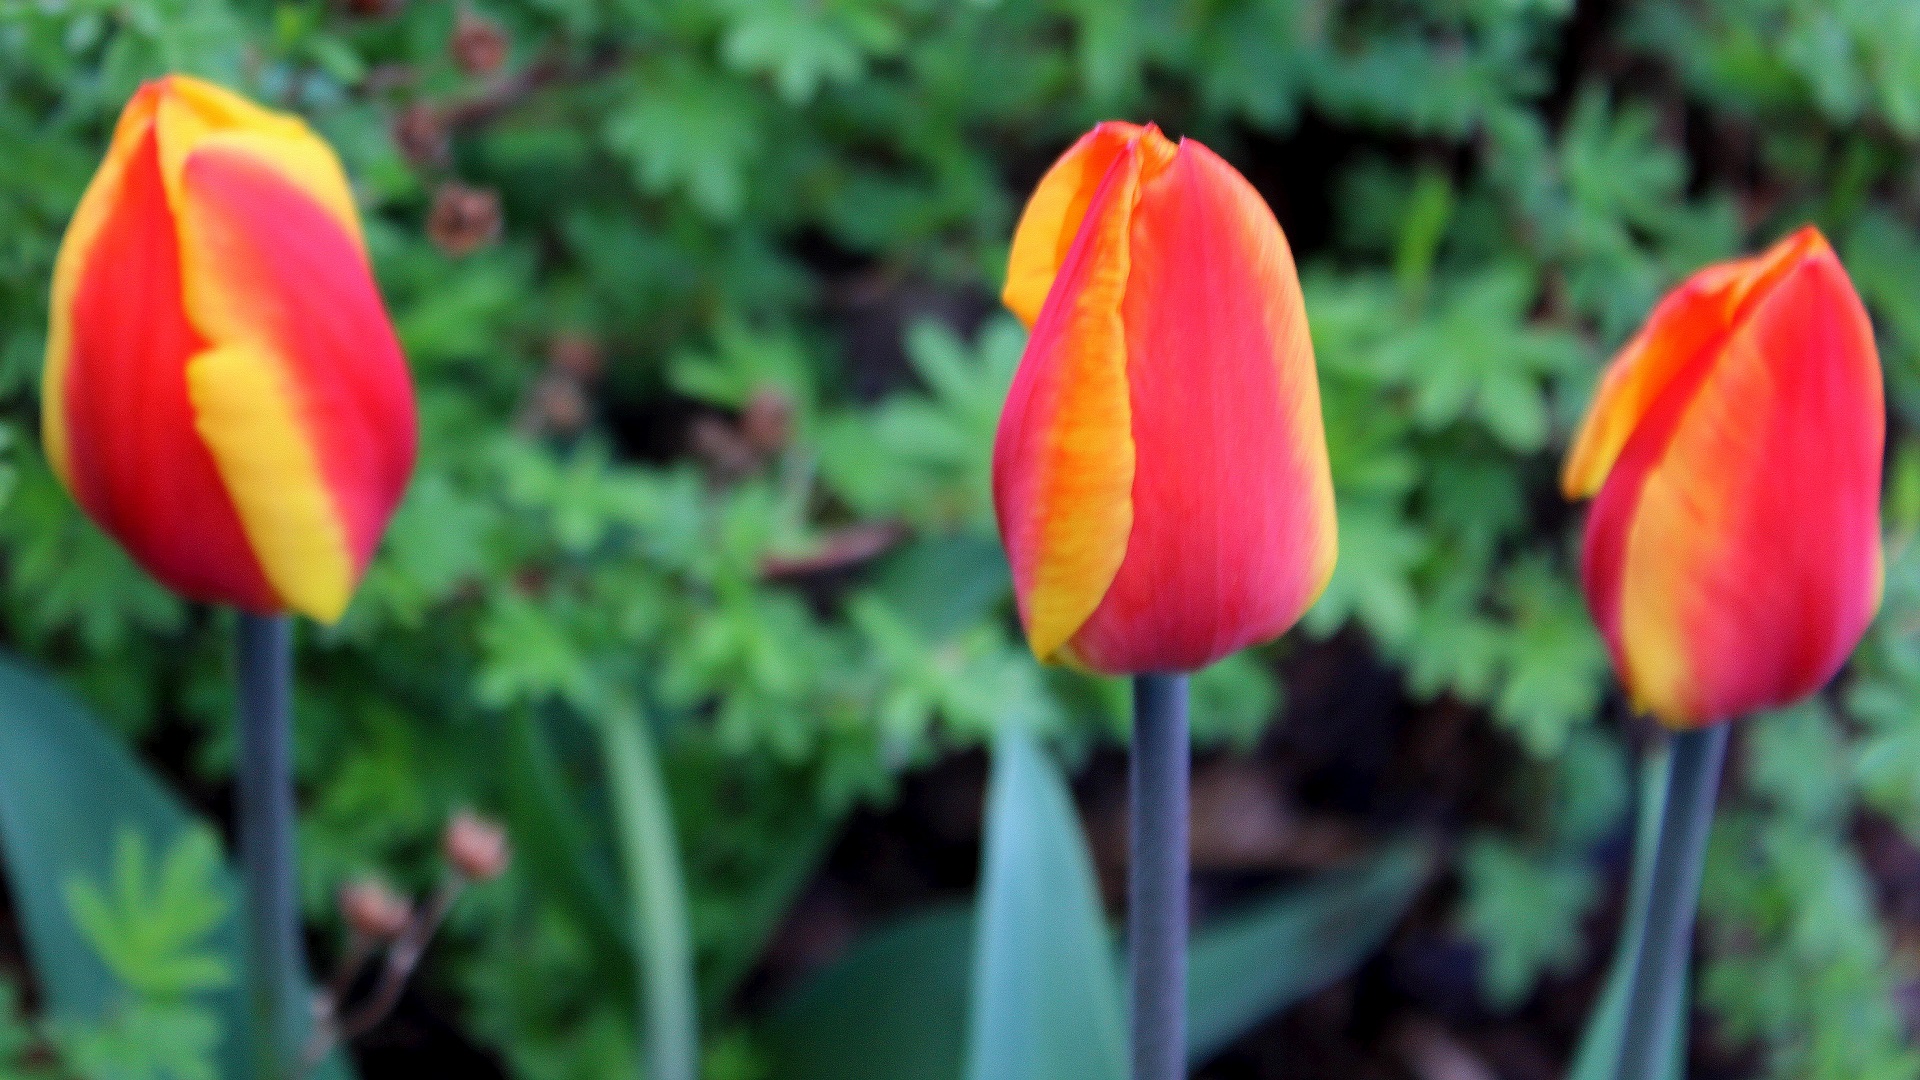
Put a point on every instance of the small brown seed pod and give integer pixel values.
(479, 44)
(464, 218)
(476, 847)
(420, 131)
(374, 910)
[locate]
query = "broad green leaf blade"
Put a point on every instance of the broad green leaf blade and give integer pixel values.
(1598, 1057)
(1046, 1002)
(893, 1008)
(548, 822)
(656, 896)
(69, 791)
(1247, 966)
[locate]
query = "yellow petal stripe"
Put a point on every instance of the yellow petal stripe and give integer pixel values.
(244, 410)
(1052, 217)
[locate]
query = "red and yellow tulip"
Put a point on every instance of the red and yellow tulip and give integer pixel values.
(1732, 554)
(1160, 472)
(223, 391)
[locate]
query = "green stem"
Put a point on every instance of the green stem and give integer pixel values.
(1653, 1019)
(275, 968)
(1157, 877)
(650, 851)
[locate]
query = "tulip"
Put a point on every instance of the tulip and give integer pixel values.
(1732, 555)
(223, 391)
(1160, 472)
(223, 394)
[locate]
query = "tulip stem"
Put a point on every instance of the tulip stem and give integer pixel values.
(274, 968)
(1649, 1038)
(1157, 886)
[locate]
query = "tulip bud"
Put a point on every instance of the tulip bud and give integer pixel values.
(374, 910)
(476, 847)
(1732, 556)
(1160, 472)
(223, 392)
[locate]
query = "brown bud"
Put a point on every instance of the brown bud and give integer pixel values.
(375, 9)
(767, 421)
(559, 404)
(374, 910)
(719, 445)
(463, 218)
(420, 131)
(576, 354)
(479, 44)
(476, 847)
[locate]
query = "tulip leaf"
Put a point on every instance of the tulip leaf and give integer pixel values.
(1046, 999)
(1245, 966)
(74, 808)
(895, 1006)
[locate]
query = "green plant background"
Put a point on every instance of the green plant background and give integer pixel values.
(808, 201)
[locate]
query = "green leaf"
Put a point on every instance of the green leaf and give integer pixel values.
(685, 130)
(145, 1040)
(149, 923)
(945, 584)
(894, 1007)
(1525, 908)
(1249, 965)
(656, 895)
(71, 797)
(1046, 999)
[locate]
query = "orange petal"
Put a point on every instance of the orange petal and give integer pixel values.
(1694, 318)
(1233, 531)
(1063, 458)
(1053, 215)
(1733, 555)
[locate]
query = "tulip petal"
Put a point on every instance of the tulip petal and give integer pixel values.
(1233, 531)
(1063, 458)
(304, 397)
(246, 414)
(1053, 215)
(1692, 320)
(193, 115)
(104, 198)
(119, 425)
(1733, 556)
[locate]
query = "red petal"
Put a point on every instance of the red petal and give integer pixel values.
(1233, 529)
(134, 459)
(1733, 555)
(283, 272)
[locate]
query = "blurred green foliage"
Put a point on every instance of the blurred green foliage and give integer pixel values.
(726, 342)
